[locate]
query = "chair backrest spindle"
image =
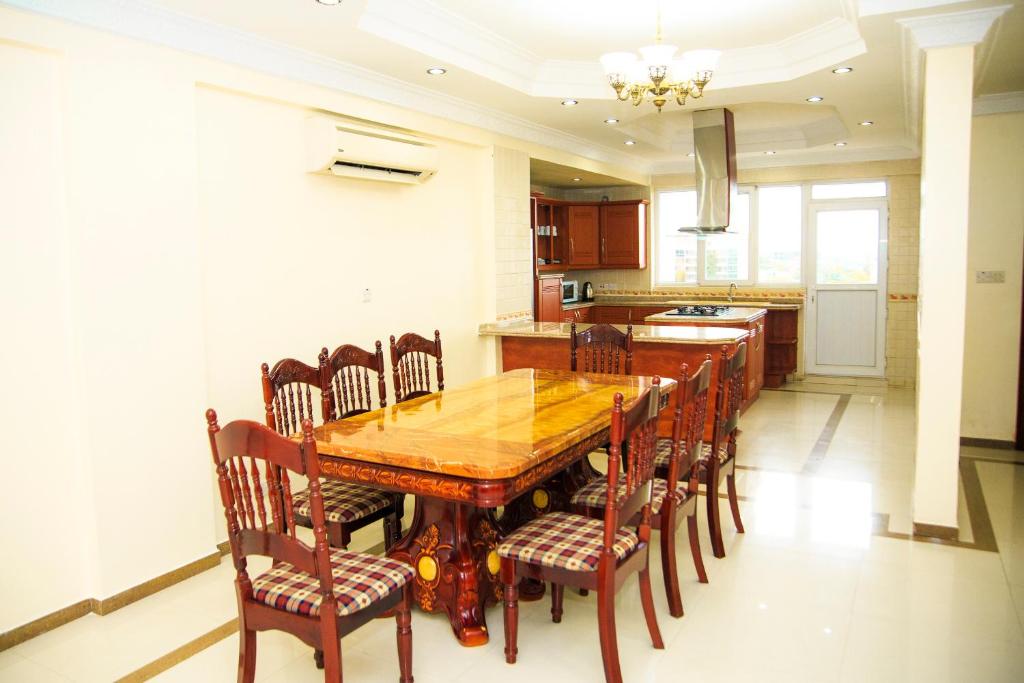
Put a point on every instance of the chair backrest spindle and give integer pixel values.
(637, 427)
(603, 348)
(410, 365)
(288, 395)
(243, 491)
(347, 381)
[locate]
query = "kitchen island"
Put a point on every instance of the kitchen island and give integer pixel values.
(657, 350)
(750, 319)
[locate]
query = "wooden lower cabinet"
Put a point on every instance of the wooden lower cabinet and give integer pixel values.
(781, 334)
(548, 300)
(623, 315)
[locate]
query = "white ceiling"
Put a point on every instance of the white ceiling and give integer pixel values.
(516, 61)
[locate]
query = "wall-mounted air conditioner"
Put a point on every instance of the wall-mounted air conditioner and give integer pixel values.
(357, 151)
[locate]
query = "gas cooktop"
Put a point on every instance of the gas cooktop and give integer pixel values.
(701, 310)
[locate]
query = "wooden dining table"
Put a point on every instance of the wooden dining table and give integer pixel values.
(464, 452)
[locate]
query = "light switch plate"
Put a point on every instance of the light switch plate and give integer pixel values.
(990, 276)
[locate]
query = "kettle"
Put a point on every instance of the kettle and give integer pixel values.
(588, 291)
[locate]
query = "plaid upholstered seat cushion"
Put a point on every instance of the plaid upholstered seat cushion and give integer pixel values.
(705, 452)
(593, 494)
(344, 502)
(359, 580)
(664, 453)
(561, 539)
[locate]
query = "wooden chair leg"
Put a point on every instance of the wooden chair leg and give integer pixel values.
(318, 658)
(337, 536)
(246, 656)
(508, 578)
(606, 631)
(389, 533)
(668, 561)
(557, 590)
(647, 601)
(734, 502)
(404, 623)
(714, 518)
(331, 643)
(698, 558)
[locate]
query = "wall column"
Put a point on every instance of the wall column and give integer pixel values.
(948, 83)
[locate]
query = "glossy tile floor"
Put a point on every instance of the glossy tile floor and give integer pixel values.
(824, 586)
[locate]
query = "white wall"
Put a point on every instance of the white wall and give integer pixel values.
(287, 254)
(44, 499)
(161, 240)
(995, 242)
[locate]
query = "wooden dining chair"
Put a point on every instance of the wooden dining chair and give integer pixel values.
(601, 348)
(572, 550)
(288, 399)
(410, 365)
(348, 383)
(719, 457)
(318, 594)
(677, 469)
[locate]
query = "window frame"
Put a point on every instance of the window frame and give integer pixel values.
(751, 279)
(753, 257)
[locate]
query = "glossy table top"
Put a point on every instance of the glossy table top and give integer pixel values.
(494, 428)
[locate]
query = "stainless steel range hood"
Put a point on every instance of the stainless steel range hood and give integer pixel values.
(714, 142)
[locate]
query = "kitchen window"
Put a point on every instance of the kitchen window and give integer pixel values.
(765, 243)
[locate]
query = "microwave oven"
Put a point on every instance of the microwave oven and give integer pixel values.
(570, 291)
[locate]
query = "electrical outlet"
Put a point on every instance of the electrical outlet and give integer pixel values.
(367, 295)
(990, 276)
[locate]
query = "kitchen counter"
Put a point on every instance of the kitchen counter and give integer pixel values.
(635, 300)
(578, 305)
(660, 334)
(731, 315)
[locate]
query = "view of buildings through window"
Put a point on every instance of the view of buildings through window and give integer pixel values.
(764, 243)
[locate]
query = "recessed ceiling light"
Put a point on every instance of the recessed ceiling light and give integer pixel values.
(691, 154)
(611, 120)
(840, 144)
(843, 70)
(770, 152)
(630, 142)
(437, 71)
(569, 103)
(329, 2)
(576, 180)
(815, 98)
(867, 123)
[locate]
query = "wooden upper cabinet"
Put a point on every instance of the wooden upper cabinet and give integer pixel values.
(624, 234)
(584, 235)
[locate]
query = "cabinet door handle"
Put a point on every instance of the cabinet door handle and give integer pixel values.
(572, 249)
(604, 248)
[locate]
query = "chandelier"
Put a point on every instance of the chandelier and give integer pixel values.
(657, 75)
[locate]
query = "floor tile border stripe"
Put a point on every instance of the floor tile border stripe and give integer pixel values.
(180, 654)
(104, 606)
(817, 456)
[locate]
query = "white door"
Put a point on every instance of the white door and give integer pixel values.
(846, 305)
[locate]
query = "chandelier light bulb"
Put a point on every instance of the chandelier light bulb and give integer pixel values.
(659, 75)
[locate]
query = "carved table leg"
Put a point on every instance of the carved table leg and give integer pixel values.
(451, 547)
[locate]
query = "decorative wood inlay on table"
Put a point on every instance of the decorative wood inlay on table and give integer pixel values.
(463, 451)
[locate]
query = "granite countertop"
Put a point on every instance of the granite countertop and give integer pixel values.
(662, 334)
(639, 300)
(732, 314)
(578, 304)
